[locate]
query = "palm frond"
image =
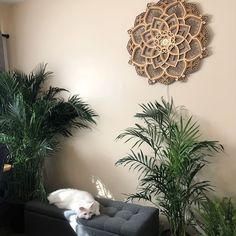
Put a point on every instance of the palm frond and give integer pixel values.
(138, 132)
(67, 115)
(140, 196)
(52, 92)
(138, 161)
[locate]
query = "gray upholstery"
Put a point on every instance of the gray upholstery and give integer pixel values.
(124, 218)
(42, 219)
(117, 218)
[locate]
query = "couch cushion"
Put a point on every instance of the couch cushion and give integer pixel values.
(49, 210)
(121, 218)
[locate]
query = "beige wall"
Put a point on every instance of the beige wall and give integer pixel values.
(84, 43)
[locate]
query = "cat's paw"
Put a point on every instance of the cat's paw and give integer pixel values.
(97, 213)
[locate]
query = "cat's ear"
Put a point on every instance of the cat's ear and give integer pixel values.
(82, 209)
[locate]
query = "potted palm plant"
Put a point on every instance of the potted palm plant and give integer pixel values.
(168, 172)
(218, 217)
(32, 119)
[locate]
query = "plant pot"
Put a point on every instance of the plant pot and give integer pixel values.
(14, 216)
(168, 233)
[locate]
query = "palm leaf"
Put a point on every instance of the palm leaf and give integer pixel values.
(138, 161)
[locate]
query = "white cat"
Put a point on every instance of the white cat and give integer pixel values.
(80, 201)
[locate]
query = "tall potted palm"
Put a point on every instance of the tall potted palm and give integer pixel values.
(168, 172)
(32, 119)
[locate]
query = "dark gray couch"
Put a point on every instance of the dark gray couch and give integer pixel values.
(116, 219)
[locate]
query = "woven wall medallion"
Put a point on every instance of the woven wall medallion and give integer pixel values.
(168, 41)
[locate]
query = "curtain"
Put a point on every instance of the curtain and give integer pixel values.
(3, 53)
(2, 58)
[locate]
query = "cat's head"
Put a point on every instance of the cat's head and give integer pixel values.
(87, 210)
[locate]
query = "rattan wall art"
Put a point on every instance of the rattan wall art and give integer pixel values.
(168, 41)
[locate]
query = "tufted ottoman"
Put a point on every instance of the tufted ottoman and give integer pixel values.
(117, 218)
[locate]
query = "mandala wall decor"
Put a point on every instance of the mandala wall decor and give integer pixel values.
(168, 41)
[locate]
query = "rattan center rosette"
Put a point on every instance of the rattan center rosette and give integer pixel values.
(168, 41)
